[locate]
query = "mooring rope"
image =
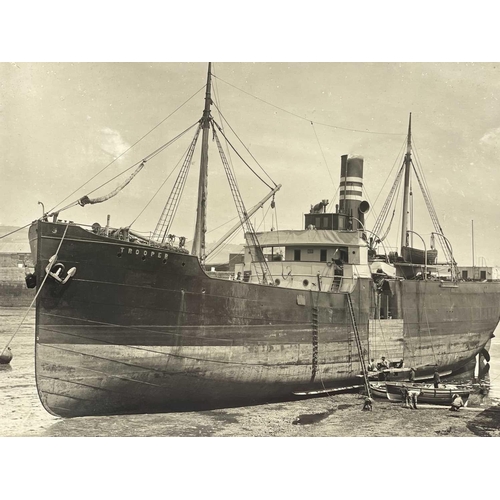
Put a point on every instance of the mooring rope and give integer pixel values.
(37, 293)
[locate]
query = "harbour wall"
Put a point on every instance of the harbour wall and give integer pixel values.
(13, 290)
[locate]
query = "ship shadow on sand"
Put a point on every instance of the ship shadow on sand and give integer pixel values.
(486, 423)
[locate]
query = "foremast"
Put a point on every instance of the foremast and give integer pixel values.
(201, 211)
(407, 162)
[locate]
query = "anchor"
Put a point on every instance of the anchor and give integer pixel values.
(56, 271)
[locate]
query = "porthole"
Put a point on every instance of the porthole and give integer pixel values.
(277, 282)
(143, 257)
(183, 264)
(164, 261)
(119, 254)
(305, 282)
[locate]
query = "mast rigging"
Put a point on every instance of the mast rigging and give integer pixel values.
(201, 211)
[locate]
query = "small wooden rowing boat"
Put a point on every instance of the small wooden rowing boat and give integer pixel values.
(443, 395)
(378, 389)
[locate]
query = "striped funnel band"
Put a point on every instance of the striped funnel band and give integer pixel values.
(351, 188)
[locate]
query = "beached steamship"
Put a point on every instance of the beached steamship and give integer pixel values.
(128, 324)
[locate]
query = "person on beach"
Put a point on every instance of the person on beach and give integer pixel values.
(414, 394)
(384, 363)
(437, 379)
(456, 403)
(372, 367)
(368, 404)
(406, 397)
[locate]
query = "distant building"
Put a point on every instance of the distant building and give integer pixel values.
(15, 260)
(479, 273)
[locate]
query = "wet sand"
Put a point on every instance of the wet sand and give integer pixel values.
(21, 413)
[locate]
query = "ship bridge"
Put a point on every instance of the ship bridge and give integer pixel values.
(311, 259)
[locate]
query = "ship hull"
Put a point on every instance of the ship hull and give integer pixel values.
(140, 329)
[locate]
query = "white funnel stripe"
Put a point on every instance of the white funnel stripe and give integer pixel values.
(352, 179)
(352, 197)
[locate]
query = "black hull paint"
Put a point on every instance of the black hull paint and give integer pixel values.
(140, 330)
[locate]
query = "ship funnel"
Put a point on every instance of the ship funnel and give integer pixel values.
(351, 189)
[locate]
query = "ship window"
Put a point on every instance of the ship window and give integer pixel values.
(305, 282)
(322, 257)
(296, 255)
(483, 275)
(310, 250)
(318, 222)
(325, 222)
(464, 275)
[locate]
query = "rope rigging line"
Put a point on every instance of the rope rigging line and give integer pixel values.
(334, 197)
(168, 214)
(37, 293)
(302, 117)
(250, 236)
(249, 152)
(373, 212)
(432, 212)
(419, 164)
(391, 198)
(399, 158)
(380, 221)
(15, 230)
(216, 252)
(222, 225)
(159, 189)
(241, 158)
(233, 236)
(140, 163)
(322, 154)
(218, 100)
(124, 152)
(444, 243)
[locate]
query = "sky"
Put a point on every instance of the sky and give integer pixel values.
(64, 122)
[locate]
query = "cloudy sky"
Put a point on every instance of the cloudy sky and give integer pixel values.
(61, 123)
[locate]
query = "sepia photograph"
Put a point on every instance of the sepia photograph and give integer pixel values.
(245, 242)
(219, 247)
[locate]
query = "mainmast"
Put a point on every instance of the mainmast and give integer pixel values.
(407, 162)
(201, 214)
